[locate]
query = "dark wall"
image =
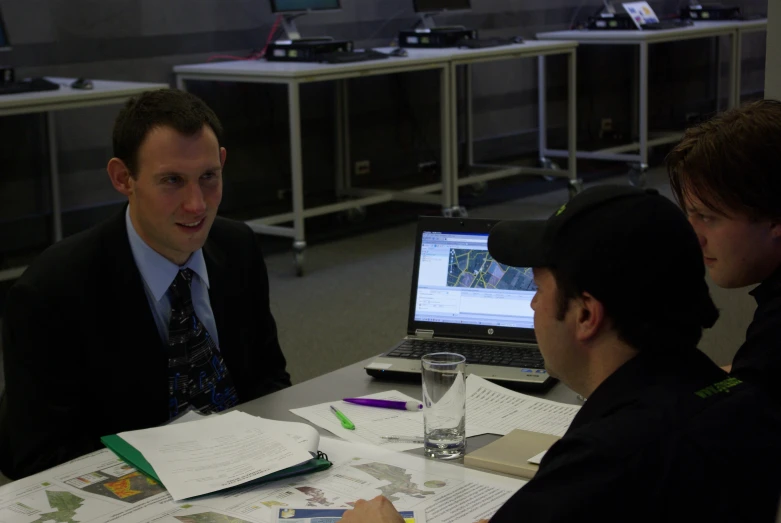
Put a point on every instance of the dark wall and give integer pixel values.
(394, 122)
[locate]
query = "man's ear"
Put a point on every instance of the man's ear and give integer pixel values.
(590, 317)
(120, 176)
(223, 156)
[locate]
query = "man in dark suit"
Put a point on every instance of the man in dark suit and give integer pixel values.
(162, 308)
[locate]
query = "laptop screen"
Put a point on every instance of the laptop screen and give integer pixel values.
(459, 283)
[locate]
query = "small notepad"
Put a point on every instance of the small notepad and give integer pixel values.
(518, 453)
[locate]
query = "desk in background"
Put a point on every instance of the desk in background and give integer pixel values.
(50, 102)
(466, 58)
(643, 39)
(294, 74)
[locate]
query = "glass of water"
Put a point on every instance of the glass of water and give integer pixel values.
(444, 405)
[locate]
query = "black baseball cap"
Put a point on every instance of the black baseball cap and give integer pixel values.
(630, 248)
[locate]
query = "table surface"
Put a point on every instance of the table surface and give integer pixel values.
(103, 92)
(352, 381)
(698, 30)
(415, 58)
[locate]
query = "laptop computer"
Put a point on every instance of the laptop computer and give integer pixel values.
(463, 301)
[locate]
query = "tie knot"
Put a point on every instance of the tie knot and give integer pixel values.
(180, 288)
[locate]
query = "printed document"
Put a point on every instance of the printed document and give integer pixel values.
(200, 457)
(99, 487)
(493, 409)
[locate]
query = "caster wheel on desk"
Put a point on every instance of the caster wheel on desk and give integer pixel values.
(638, 175)
(547, 163)
(574, 187)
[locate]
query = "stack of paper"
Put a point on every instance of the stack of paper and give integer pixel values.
(214, 453)
(101, 488)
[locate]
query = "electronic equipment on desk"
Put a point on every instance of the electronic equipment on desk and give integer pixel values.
(294, 48)
(426, 33)
(710, 12)
(308, 50)
(608, 17)
(438, 37)
(352, 56)
(483, 43)
(32, 85)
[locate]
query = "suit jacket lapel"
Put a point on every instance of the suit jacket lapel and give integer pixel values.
(132, 305)
(215, 265)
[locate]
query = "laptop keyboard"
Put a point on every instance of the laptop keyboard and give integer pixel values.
(480, 354)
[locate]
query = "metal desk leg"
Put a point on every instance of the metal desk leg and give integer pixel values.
(297, 168)
(542, 113)
(736, 46)
(446, 111)
(341, 164)
(468, 121)
(717, 80)
(575, 184)
(637, 176)
(54, 170)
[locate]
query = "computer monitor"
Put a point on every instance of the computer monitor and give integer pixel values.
(428, 8)
(292, 9)
(5, 45)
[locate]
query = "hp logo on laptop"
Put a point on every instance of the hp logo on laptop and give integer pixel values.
(490, 331)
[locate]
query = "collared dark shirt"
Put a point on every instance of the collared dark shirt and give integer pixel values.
(667, 437)
(758, 360)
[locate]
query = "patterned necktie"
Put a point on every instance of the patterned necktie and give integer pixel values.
(197, 375)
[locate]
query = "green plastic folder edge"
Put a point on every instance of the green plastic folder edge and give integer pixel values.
(129, 454)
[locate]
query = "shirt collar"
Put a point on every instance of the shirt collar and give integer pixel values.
(155, 269)
(649, 369)
(768, 288)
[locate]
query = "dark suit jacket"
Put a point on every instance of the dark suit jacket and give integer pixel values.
(83, 357)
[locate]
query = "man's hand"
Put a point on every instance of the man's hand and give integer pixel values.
(378, 510)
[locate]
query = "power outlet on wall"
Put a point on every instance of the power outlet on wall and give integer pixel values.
(363, 168)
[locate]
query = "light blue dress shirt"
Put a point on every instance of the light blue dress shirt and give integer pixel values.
(158, 273)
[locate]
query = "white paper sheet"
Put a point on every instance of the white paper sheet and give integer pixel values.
(492, 409)
(371, 423)
(200, 457)
(536, 460)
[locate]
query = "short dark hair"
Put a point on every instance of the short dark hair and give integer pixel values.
(180, 110)
(732, 162)
(642, 332)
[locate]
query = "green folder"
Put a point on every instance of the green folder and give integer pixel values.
(130, 455)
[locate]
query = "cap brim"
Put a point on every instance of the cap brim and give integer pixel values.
(518, 243)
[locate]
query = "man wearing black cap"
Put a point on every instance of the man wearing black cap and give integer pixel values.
(620, 306)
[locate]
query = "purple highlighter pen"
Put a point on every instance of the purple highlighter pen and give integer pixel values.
(386, 404)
